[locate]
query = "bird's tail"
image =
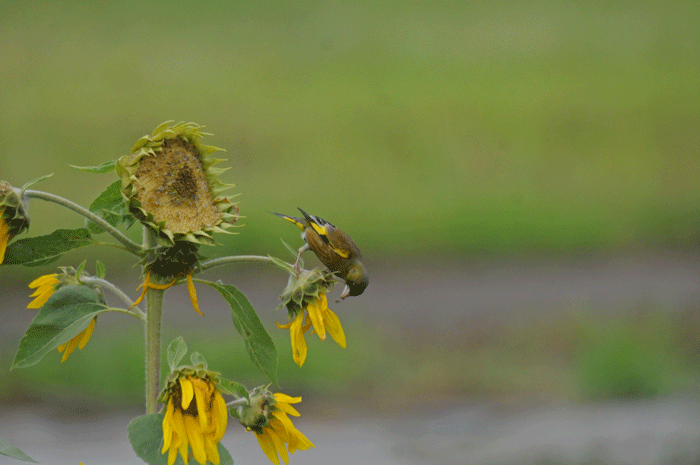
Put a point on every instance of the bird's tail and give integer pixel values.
(297, 221)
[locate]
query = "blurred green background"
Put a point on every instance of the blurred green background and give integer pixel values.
(433, 132)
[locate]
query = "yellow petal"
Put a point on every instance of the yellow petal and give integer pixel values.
(268, 446)
(62, 347)
(193, 293)
(143, 292)
(279, 442)
(85, 335)
(220, 415)
(334, 328)
(280, 397)
(211, 450)
(4, 238)
(179, 427)
(278, 325)
(187, 392)
(72, 344)
(201, 394)
(46, 280)
(317, 319)
(299, 349)
(297, 441)
(167, 427)
(194, 435)
(286, 408)
(43, 295)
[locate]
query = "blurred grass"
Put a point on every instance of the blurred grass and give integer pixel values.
(485, 127)
(574, 356)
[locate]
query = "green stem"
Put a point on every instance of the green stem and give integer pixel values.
(131, 246)
(103, 283)
(214, 262)
(154, 313)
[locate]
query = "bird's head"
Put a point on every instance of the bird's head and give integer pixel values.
(356, 280)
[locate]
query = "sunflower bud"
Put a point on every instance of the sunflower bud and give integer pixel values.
(305, 287)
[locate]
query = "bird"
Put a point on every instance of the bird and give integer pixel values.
(334, 248)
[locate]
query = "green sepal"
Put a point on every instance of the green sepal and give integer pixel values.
(282, 264)
(65, 315)
(100, 270)
(198, 360)
(176, 350)
(258, 344)
(42, 250)
(105, 167)
(295, 253)
(232, 388)
(11, 451)
(146, 437)
(111, 206)
(80, 270)
(28, 184)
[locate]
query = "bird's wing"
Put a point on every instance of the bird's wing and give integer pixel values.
(330, 235)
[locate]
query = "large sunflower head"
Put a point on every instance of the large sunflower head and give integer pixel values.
(13, 216)
(172, 186)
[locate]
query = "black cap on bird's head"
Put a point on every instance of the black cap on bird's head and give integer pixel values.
(356, 281)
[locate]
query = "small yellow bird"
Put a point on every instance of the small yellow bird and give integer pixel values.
(334, 248)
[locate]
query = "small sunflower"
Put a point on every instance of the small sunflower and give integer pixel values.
(196, 417)
(307, 306)
(267, 417)
(13, 216)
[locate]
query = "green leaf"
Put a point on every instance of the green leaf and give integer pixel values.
(146, 437)
(233, 388)
(103, 168)
(81, 269)
(65, 315)
(111, 206)
(258, 343)
(295, 253)
(100, 269)
(34, 181)
(176, 350)
(11, 451)
(282, 264)
(198, 359)
(42, 250)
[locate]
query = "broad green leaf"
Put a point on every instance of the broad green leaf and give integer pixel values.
(42, 250)
(198, 359)
(233, 388)
(100, 269)
(146, 437)
(67, 312)
(176, 350)
(258, 343)
(103, 168)
(111, 206)
(11, 451)
(34, 181)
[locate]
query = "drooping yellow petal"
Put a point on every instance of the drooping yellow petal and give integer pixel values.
(286, 408)
(283, 326)
(211, 450)
(299, 349)
(187, 392)
(85, 335)
(179, 427)
(4, 237)
(143, 292)
(220, 416)
(201, 394)
(194, 435)
(62, 347)
(334, 328)
(267, 445)
(70, 347)
(167, 427)
(279, 439)
(297, 441)
(317, 319)
(193, 293)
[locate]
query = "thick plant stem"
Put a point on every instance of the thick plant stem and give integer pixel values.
(154, 313)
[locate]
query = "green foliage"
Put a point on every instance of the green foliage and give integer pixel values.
(621, 360)
(9, 450)
(259, 345)
(111, 206)
(67, 313)
(42, 250)
(176, 350)
(146, 437)
(105, 167)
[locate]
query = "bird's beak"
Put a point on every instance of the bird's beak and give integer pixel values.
(346, 292)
